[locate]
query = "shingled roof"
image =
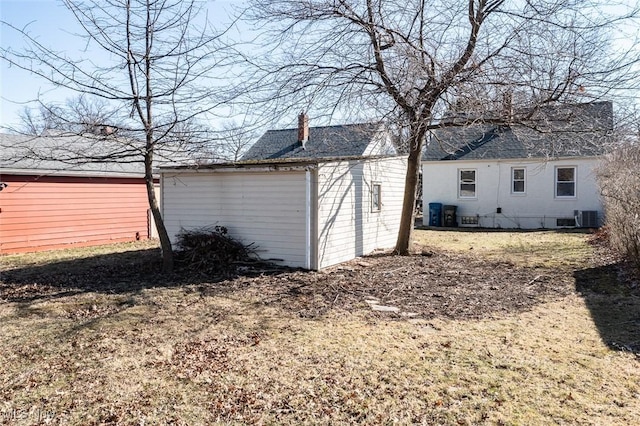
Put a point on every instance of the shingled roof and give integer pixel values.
(76, 155)
(58, 155)
(351, 140)
(579, 130)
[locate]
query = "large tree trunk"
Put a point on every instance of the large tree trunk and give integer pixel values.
(416, 143)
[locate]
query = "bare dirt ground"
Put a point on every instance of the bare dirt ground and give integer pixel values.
(437, 285)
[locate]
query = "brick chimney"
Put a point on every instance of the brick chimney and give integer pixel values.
(107, 130)
(507, 105)
(303, 129)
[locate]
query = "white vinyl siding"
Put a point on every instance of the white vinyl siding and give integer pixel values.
(347, 227)
(540, 208)
(265, 208)
(310, 220)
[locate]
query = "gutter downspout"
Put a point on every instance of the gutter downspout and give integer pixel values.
(308, 204)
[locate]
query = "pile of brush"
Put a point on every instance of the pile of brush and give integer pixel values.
(212, 251)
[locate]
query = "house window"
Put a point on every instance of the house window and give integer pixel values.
(517, 181)
(467, 183)
(376, 197)
(565, 181)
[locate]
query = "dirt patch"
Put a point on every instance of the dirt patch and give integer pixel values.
(433, 283)
(441, 284)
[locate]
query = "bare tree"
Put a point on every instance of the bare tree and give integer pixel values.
(78, 116)
(619, 180)
(156, 79)
(413, 61)
(237, 138)
(226, 143)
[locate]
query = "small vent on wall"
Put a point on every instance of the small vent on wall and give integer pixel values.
(565, 221)
(469, 220)
(586, 218)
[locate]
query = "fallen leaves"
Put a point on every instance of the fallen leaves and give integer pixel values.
(490, 343)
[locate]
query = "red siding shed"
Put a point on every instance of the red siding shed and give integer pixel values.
(48, 200)
(42, 213)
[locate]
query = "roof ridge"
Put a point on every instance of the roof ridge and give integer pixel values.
(369, 123)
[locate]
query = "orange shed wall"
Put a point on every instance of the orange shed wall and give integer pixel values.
(42, 213)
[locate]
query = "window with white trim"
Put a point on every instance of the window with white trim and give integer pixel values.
(565, 182)
(518, 177)
(467, 183)
(376, 197)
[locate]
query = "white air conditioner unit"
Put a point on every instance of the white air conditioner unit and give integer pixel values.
(586, 218)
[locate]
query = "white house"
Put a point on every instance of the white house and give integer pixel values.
(539, 175)
(307, 197)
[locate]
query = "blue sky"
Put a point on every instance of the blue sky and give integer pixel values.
(53, 25)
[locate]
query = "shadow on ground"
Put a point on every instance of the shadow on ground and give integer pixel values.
(116, 273)
(613, 298)
(109, 273)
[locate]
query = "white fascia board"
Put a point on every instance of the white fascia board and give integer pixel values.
(260, 169)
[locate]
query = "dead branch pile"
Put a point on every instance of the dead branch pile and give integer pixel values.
(213, 251)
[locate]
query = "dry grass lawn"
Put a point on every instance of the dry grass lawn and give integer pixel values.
(524, 248)
(189, 353)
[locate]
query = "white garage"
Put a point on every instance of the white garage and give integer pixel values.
(308, 213)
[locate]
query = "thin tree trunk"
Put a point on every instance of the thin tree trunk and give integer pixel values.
(165, 242)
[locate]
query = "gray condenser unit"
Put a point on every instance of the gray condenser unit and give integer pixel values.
(586, 218)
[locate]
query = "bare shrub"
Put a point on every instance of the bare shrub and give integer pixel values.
(619, 178)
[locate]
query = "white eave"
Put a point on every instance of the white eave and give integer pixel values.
(515, 159)
(251, 168)
(288, 164)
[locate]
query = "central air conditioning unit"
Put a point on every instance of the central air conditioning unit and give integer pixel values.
(586, 218)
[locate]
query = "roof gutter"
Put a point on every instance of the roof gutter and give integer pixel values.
(255, 169)
(70, 173)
